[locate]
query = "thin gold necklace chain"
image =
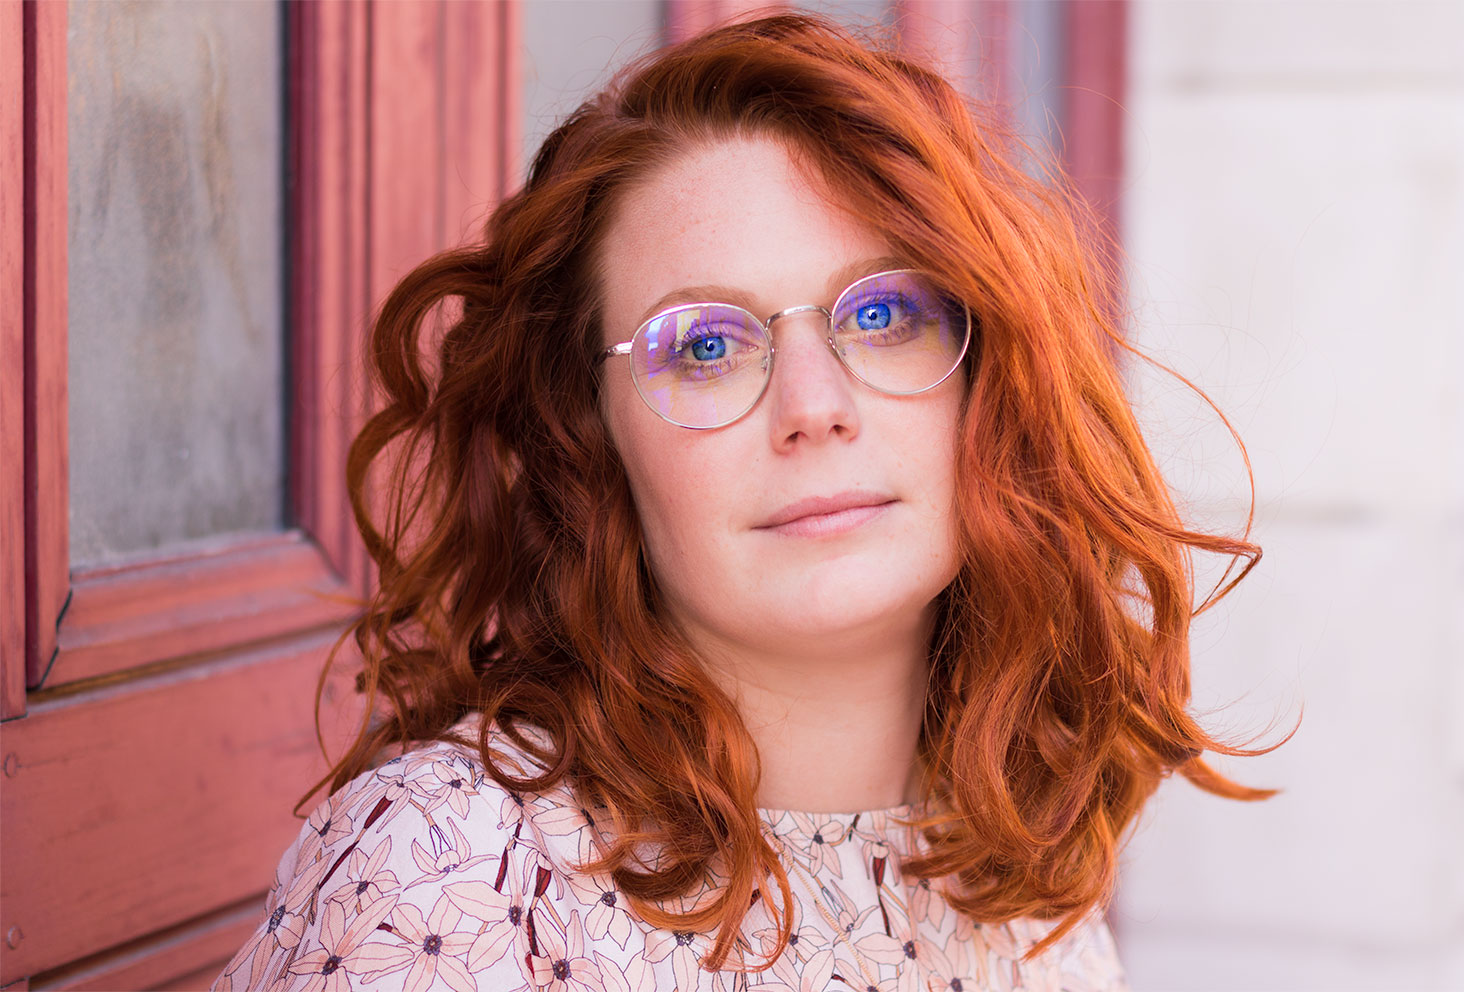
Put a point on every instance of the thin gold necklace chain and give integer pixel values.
(831, 919)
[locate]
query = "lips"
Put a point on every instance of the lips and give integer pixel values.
(819, 512)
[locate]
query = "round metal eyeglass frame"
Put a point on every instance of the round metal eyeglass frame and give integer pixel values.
(625, 347)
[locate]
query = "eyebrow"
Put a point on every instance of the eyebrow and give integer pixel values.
(837, 283)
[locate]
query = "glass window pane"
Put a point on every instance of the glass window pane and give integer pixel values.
(176, 244)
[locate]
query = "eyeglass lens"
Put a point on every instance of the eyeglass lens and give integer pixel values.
(706, 365)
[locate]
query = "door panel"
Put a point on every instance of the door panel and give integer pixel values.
(160, 700)
(145, 804)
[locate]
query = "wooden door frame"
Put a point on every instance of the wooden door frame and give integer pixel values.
(166, 703)
(16, 103)
(91, 623)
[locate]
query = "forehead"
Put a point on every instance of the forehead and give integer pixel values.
(743, 214)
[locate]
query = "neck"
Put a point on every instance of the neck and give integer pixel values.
(837, 725)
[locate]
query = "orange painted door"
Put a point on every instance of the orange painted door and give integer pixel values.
(167, 614)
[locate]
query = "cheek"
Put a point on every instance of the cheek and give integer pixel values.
(677, 503)
(936, 464)
(683, 526)
(932, 431)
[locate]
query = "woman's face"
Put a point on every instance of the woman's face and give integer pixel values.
(825, 516)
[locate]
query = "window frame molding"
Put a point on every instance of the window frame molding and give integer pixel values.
(84, 624)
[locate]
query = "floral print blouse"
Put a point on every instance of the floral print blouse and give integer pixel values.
(425, 874)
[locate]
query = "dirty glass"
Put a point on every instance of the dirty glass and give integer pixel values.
(176, 272)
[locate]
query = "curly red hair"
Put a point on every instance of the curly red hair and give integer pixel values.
(512, 577)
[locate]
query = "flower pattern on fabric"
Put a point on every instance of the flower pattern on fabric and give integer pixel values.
(425, 875)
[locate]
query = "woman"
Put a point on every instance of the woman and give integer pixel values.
(776, 592)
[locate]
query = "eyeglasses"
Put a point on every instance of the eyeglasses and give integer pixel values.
(705, 365)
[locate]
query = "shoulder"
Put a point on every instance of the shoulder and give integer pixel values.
(419, 874)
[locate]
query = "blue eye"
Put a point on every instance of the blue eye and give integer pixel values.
(700, 343)
(709, 349)
(873, 316)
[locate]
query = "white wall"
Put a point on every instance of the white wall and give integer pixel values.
(1295, 221)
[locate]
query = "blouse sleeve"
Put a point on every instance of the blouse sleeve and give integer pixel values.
(411, 877)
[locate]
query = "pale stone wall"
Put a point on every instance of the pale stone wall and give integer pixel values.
(1294, 218)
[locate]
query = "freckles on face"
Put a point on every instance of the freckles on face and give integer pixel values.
(829, 506)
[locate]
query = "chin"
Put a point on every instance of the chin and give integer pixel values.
(858, 598)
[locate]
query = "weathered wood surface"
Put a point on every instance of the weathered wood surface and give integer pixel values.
(44, 122)
(239, 592)
(329, 291)
(12, 361)
(189, 956)
(480, 71)
(137, 807)
(150, 781)
(407, 141)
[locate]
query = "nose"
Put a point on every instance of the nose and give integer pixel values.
(811, 395)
